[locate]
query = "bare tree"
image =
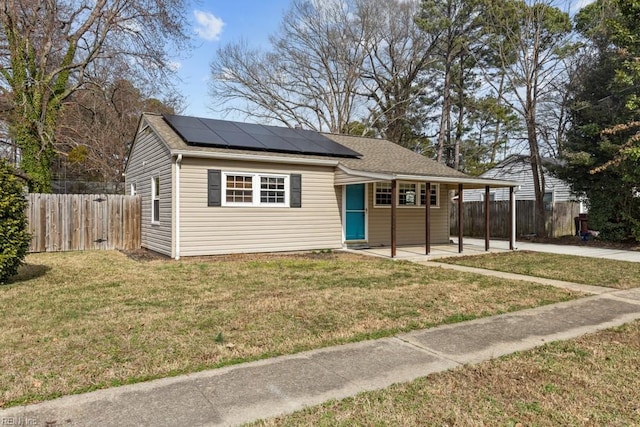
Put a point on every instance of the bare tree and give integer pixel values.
(310, 78)
(397, 55)
(332, 63)
(96, 127)
(530, 41)
(49, 47)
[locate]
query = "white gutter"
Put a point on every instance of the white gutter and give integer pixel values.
(178, 165)
(459, 180)
(256, 158)
(434, 179)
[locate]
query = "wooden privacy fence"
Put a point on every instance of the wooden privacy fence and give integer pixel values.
(560, 219)
(75, 222)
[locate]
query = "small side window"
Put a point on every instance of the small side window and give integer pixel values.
(548, 200)
(155, 199)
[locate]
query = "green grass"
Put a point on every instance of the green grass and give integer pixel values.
(79, 321)
(590, 381)
(588, 271)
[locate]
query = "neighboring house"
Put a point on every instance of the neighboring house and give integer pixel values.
(217, 187)
(518, 168)
(561, 204)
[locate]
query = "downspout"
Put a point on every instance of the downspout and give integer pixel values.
(178, 163)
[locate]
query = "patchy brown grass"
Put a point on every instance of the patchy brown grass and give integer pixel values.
(590, 381)
(73, 322)
(588, 271)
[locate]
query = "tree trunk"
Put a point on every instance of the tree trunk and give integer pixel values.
(538, 175)
(446, 112)
(36, 157)
(459, 124)
(496, 136)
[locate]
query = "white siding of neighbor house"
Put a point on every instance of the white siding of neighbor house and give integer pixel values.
(410, 225)
(208, 230)
(521, 172)
(148, 158)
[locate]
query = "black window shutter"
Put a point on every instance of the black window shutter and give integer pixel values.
(295, 198)
(214, 187)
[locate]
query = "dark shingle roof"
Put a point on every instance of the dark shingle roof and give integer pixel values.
(382, 156)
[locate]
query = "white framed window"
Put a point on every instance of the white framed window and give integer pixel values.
(272, 190)
(255, 189)
(407, 194)
(492, 196)
(434, 195)
(238, 189)
(155, 199)
(382, 195)
(133, 190)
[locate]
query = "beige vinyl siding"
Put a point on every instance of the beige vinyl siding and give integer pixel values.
(208, 230)
(343, 178)
(148, 158)
(410, 225)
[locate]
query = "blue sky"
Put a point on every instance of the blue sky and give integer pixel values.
(215, 23)
(218, 22)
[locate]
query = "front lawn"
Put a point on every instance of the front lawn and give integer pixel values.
(588, 271)
(590, 381)
(77, 321)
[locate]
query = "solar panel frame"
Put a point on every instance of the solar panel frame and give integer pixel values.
(220, 125)
(202, 137)
(277, 144)
(241, 139)
(248, 136)
(253, 128)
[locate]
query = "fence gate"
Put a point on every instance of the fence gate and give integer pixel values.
(75, 222)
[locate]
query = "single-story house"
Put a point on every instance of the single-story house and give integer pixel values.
(213, 187)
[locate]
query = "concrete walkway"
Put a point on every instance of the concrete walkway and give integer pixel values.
(473, 246)
(251, 391)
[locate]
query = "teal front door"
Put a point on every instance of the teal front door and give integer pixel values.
(355, 212)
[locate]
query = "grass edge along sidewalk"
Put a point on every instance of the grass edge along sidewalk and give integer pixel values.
(590, 380)
(243, 393)
(589, 271)
(83, 321)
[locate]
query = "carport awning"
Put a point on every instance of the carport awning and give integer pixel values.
(344, 176)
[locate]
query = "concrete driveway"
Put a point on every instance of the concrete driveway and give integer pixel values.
(476, 247)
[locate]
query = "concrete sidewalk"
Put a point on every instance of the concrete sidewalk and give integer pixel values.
(250, 391)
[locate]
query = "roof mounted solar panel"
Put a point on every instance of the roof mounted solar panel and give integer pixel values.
(240, 139)
(249, 136)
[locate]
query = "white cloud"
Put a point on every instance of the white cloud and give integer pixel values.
(208, 25)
